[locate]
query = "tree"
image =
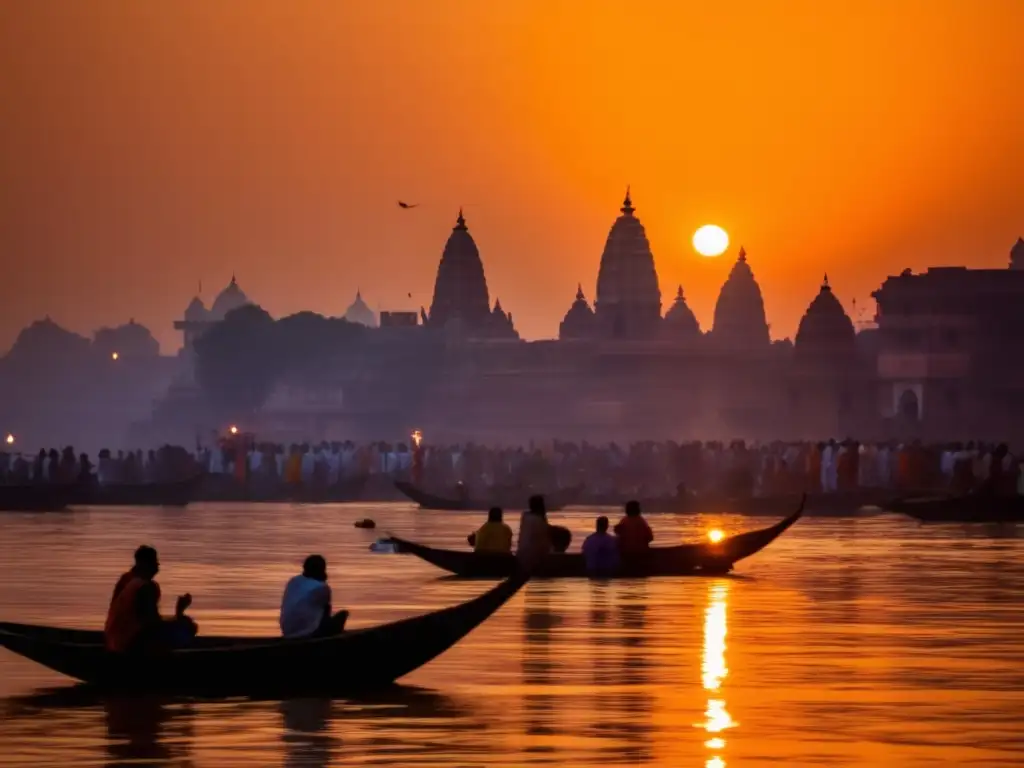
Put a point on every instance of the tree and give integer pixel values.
(237, 360)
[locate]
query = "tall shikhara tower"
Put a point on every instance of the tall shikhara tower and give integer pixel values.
(628, 301)
(460, 290)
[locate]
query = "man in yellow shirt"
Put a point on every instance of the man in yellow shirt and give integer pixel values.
(492, 536)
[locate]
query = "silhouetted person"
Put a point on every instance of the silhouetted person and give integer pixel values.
(601, 551)
(492, 536)
(306, 604)
(134, 623)
(635, 535)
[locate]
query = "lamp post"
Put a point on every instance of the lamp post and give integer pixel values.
(417, 457)
(10, 439)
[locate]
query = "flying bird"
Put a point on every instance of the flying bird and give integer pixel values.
(407, 205)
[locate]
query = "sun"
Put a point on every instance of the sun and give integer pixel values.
(710, 240)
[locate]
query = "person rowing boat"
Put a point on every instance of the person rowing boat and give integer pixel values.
(134, 623)
(306, 604)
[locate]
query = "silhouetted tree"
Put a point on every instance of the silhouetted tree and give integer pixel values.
(306, 338)
(237, 360)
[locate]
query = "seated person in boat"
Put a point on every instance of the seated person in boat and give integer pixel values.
(306, 605)
(634, 534)
(492, 536)
(534, 538)
(134, 622)
(601, 551)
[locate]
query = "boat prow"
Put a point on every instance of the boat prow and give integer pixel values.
(709, 558)
(354, 661)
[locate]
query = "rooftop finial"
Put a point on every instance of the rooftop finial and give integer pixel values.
(460, 223)
(824, 283)
(579, 292)
(743, 253)
(679, 293)
(627, 204)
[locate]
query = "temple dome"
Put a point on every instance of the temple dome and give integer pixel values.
(680, 322)
(739, 320)
(825, 329)
(196, 311)
(628, 297)
(579, 321)
(460, 290)
(359, 312)
(230, 299)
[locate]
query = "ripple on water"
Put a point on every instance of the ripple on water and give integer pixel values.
(848, 642)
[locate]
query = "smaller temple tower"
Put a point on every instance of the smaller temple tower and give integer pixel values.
(358, 312)
(680, 323)
(739, 322)
(579, 323)
(1017, 254)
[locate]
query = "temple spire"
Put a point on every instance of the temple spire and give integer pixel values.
(627, 204)
(679, 293)
(579, 292)
(824, 284)
(460, 222)
(743, 253)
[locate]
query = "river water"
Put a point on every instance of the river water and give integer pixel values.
(857, 642)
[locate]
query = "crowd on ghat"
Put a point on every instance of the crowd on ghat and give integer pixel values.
(640, 469)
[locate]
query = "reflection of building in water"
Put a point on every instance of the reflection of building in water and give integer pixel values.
(714, 670)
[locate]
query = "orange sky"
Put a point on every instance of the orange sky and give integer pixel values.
(146, 146)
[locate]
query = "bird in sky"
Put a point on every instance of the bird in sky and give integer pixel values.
(407, 205)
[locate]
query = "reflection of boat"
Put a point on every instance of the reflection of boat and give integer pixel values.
(357, 660)
(682, 560)
(973, 508)
(505, 498)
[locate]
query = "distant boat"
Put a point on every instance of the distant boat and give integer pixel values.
(707, 558)
(971, 508)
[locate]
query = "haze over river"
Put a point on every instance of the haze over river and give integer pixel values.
(858, 642)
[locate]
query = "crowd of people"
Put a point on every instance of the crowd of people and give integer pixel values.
(640, 469)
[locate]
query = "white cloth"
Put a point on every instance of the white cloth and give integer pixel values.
(534, 539)
(303, 606)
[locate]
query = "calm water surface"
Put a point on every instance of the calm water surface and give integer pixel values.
(872, 641)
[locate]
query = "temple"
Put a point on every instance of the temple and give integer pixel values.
(620, 369)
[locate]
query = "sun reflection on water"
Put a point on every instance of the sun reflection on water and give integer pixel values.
(714, 670)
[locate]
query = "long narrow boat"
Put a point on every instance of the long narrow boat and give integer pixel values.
(357, 660)
(973, 508)
(682, 560)
(505, 498)
(33, 498)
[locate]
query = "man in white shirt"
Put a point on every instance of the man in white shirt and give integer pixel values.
(306, 605)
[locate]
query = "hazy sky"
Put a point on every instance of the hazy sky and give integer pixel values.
(149, 145)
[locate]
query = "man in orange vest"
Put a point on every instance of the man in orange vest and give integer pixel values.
(133, 619)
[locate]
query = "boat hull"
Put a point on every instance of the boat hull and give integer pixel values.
(358, 660)
(975, 508)
(682, 560)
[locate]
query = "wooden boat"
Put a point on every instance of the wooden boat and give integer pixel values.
(357, 660)
(33, 498)
(504, 498)
(972, 508)
(682, 560)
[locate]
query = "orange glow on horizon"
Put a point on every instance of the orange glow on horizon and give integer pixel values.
(854, 140)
